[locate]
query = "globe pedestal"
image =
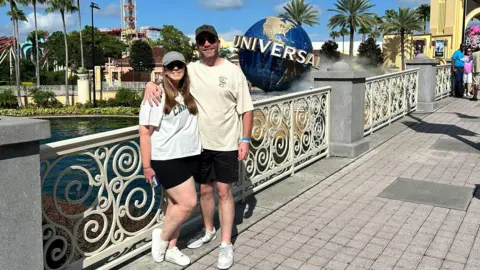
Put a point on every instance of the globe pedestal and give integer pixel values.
(347, 109)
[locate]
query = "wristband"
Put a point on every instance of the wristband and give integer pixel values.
(245, 140)
(147, 167)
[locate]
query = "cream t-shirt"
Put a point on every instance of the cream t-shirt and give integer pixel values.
(175, 135)
(222, 96)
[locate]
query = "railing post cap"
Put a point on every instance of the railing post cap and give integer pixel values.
(341, 65)
(20, 129)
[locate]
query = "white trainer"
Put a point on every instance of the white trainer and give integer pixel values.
(159, 246)
(174, 255)
(225, 257)
(200, 240)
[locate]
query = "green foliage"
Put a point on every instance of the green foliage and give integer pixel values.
(301, 12)
(8, 99)
(128, 98)
(351, 14)
(141, 58)
(172, 39)
(225, 53)
(44, 99)
(105, 46)
(330, 51)
(70, 110)
(334, 35)
(424, 11)
(370, 53)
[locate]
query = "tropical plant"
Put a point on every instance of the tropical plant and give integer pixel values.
(172, 39)
(334, 35)
(16, 15)
(8, 100)
(80, 32)
(225, 53)
(300, 12)
(364, 31)
(343, 32)
(389, 13)
(351, 14)
(404, 21)
(376, 29)
(36, 45)
(63, 6)
(424, 12)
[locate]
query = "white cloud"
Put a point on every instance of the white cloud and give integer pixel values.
(278, 9)
(229, 35)
(221, 4)
(110, 10)
(49, 22)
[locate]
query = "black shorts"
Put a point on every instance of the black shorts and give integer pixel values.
(173, 172)
(218, 166)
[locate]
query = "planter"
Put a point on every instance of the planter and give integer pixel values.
(83, 76)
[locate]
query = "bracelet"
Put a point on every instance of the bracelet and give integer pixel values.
(147, 167)
(245, 139)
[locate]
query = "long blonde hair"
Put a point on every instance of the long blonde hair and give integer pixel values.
(171, 93)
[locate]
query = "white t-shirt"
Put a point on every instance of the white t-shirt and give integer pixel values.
(176, 134)
(222, 96)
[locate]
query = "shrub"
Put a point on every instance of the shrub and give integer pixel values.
(330, 51)
(8, 99)
(71, 110)
(44, 99)
(128, 98)
(369, 53)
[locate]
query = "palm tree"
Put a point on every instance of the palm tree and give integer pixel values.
(63, 6)
(424, 11)
(80, 26)
(351, 14)
(364, 31)
(334, 35)
(343, 32)
(16, 15)
(300, 12)
(35, 39)
(404, 21)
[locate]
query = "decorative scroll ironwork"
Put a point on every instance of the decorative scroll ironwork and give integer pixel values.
(389, 97)
(444, 81)
(97, 207)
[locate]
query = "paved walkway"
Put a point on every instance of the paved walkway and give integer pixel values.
(342, 223)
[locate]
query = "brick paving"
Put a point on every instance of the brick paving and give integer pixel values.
(342, 223)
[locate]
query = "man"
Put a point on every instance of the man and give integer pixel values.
(222, 95)
(476, 72)
(457, 67)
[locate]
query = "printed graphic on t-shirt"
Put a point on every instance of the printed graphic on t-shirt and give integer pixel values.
(222, 81)
(178, 109)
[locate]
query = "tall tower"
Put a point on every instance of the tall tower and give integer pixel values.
(129, 19)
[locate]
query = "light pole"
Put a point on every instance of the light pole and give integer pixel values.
(93, 6)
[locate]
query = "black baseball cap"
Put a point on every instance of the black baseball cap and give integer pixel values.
(206, 29)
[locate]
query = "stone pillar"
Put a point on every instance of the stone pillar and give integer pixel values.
(20, 193)
(346, 108)
(426, 81)
(83, 88)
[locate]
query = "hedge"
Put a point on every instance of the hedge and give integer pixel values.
(72, 110)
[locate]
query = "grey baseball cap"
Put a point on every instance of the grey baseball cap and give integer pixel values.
(172, 57)
(206, 29)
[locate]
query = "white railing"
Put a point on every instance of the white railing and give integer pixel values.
(389, 97)
(98, 211)
(444, 81)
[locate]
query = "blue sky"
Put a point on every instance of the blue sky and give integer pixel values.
(230, 17)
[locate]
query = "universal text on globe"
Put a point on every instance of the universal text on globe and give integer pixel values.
(290, 53)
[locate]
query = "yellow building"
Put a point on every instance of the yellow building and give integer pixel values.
(446, 31)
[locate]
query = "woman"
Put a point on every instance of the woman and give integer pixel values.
(170, 149)
(467, 75)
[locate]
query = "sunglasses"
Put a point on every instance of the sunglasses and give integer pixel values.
(201, 40)
(175, 64)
